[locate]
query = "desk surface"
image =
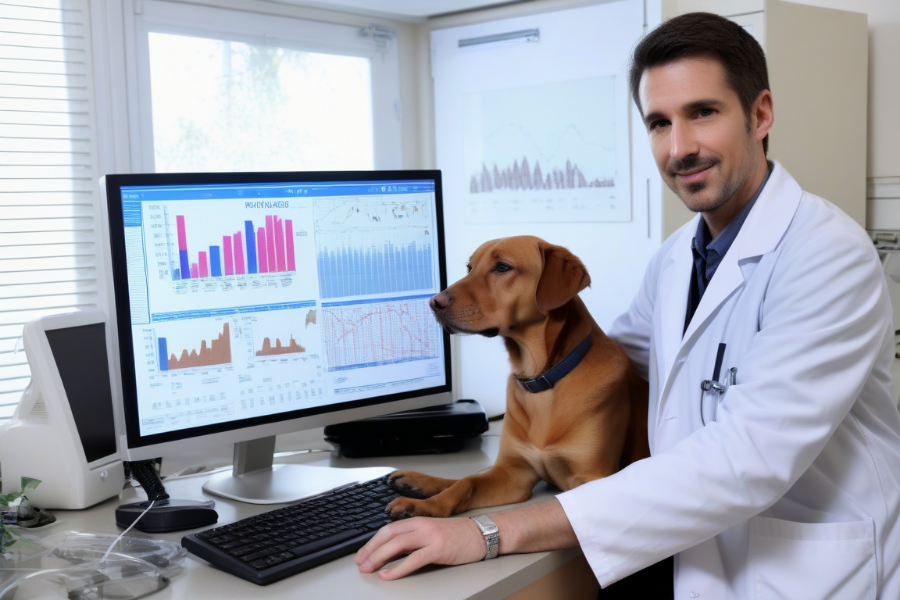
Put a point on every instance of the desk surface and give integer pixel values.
(338, 579)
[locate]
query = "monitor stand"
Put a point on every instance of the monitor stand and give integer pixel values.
(255, 479)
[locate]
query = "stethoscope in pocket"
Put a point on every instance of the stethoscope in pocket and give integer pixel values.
(713, 389)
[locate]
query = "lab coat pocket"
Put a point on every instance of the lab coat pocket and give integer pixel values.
(796, 561)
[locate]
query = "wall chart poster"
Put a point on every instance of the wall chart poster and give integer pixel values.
(545, 153)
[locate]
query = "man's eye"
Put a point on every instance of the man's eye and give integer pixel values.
(502, 268)
(705, 112)
(658, 124)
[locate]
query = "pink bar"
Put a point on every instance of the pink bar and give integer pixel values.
(279, 243)
(289, 238)
(270, 244)
(182, 234)
(229, 263)
(261, 250)
(194, 274)
(204, 265)
(238, 254)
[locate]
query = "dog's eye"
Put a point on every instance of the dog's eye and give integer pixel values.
(502, 268)
(468, 268)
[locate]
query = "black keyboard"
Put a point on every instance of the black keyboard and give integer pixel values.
(273, 545)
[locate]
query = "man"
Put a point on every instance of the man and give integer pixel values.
(779, 477)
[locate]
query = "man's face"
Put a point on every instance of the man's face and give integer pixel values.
(698, 131)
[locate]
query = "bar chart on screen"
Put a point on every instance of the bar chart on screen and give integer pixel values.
(365, 249)
(210, 259)
(188, 359)
(214, 351)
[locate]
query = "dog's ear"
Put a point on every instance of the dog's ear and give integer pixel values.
(563, 277)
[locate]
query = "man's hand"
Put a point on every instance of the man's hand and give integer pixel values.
(452, 541)
(456, 541)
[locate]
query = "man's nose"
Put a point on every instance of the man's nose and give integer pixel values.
(683, 141)
(441, 301)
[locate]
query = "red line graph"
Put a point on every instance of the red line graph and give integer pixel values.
(382, 333)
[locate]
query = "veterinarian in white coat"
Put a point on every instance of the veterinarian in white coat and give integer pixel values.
(777, 472)
(784, 482)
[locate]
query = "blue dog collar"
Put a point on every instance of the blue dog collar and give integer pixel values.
(549, 378)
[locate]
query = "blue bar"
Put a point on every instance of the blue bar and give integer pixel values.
(219, 312)
(250, 242)
(163, 354)
(257, 193)
(215, 263)
(375, 300)
(185, 266)
(176, 274)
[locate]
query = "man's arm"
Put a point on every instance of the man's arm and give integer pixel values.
(536, 527)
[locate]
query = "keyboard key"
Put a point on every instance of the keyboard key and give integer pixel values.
(322, 543)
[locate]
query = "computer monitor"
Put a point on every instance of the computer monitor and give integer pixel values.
(246, 305)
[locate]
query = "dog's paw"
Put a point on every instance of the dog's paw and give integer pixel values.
(417, 485)
(405, 508)
(412, 484)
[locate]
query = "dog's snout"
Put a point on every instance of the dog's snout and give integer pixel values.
(441, 301)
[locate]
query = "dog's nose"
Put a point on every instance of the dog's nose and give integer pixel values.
(441, 301)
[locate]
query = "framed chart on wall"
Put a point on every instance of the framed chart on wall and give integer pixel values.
(536, 135)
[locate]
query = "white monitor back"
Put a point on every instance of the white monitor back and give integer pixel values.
(63, 431)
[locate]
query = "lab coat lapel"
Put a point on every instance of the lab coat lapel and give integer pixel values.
(673, 297)
(761, 232)
(765, 226)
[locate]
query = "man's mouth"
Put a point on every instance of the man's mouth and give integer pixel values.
(694, 175)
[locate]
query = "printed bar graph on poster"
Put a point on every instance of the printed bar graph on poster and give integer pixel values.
(372, 333)
(217, 352)
(356, 271)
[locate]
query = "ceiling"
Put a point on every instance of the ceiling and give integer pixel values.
(405, 10)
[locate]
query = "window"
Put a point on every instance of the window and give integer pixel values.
(199, 89)
(220, 90)
(48, 174)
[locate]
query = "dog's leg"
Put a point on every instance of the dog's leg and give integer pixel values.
(504, 483)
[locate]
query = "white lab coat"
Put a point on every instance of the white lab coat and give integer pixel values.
(792, 487)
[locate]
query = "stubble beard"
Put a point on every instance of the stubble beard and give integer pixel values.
(726, 193)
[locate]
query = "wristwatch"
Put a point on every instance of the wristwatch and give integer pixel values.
(491, 535)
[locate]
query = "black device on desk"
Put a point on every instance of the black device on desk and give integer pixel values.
(247, 305)
(432, 430)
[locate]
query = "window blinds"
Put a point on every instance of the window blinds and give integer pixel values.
(47, 174)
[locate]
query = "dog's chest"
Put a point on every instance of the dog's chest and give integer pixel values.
(536, 430)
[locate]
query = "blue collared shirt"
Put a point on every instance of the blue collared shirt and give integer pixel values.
(708, 252)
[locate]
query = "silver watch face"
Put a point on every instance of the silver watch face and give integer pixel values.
(491, 535)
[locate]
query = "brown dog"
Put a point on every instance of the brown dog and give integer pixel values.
(589, 425)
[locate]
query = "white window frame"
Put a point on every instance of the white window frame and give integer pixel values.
(261, 29)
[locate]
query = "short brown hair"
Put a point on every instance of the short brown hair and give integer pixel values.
(705, 34)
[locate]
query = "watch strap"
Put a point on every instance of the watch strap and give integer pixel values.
(491, 534)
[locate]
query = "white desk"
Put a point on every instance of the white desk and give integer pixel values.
(340, 579)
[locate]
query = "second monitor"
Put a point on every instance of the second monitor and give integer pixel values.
(253, 304)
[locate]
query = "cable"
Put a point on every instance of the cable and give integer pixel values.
(121, 535)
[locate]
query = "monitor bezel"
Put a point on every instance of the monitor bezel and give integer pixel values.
(123, 347)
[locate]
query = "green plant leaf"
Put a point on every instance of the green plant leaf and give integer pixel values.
(29, 483)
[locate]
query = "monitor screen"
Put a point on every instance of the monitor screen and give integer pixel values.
(253, 298)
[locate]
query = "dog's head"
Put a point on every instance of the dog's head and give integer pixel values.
(512, 282)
